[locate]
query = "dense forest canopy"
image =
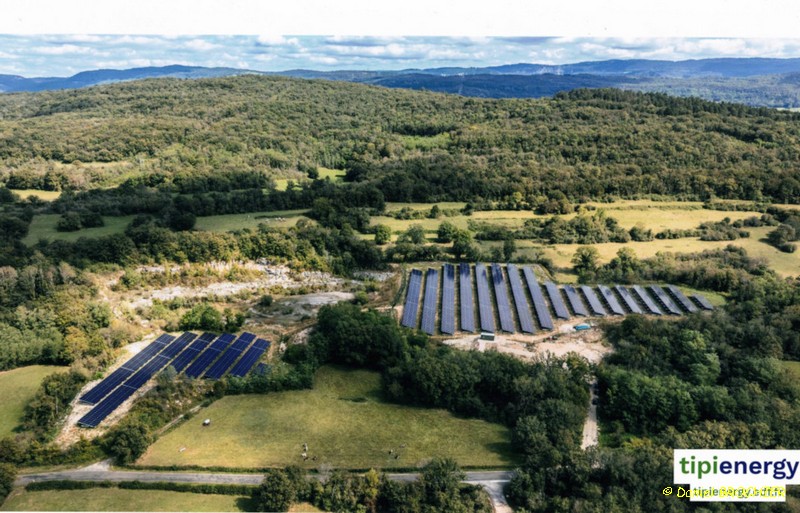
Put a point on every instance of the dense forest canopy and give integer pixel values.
(415, 146)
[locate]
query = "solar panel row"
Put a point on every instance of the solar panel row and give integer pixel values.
(208, 356)
(664, 299)
(681, 299)
(555, 300)
(465, 297)
(171, 350)
(611, 300)
(103, 388)
(229, 356)
(412, 300)
(542, 312)
(429, 302)
(449, 299)
(521, 302)
(703, 302)
(106, 406)
(575, 300)
(501, 295)
(484, 299)
(250, 357)
(594, 302)
(628, 299)
(645, 298)
(196, 347)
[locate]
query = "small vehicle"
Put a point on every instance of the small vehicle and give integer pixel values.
(207, 422)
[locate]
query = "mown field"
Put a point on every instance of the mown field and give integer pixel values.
(792, 367)
(336, 175)
(18, 387)
(343, 420)
(43, 226)
(230, 222)
(115, 499)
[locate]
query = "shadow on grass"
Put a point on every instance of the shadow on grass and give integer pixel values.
(246, 504)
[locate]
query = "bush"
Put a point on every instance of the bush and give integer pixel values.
(266, 300)
(127, 441)
(7, 476)
(69, 222)
(202, 317)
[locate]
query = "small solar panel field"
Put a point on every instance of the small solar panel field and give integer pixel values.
(448, 321)
(501, 294)
(628, 299)
(611, 300)
(595, 305)
(651, 305)
(665, 300)
(520, 301)
(429, 302)
(575, 301)
(682, 300)
(539, 304)
(411, 307)
(178, 352)
(702, 301)
(555, 300)
(484, 299)
(467, 305)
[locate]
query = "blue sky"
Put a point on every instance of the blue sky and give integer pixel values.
(63, 55)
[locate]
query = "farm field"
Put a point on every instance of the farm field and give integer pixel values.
(42, 195)
(230, 222)
(792, 367)
(116, 499)
(19, 386)
(336, 175)
(343, 420)
(43, 226)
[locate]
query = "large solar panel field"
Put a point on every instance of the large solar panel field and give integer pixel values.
(188, 351)
(533, 307)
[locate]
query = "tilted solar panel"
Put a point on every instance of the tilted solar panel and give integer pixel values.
(147, 371)
(207, 357)
(703, 302)
(681, 299)
(628, 299)
(250, 357)
(555, 300)
(575, 300)
(448, 299)
(594, 302)
(501, 295)
(230, 355)
(178, 345)
(520, 300)
(539, 304)
(467, 304)
(484, 299)
(104, 408)
(611, 300)
(411, 307)
(665, 300)
(194, 349)
(651, 305)
(430, 301)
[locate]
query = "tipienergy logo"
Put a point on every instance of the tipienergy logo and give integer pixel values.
(710, 471)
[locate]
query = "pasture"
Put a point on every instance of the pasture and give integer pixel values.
(116, 499)
(19, 386)
(345, 423)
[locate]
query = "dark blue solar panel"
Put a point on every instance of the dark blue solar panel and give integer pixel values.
(207, 357)
(128, 368)
(250, 357)
(448, 299)
(575, 300)
(629, 300)
(501, 295)
(703, 302)
(665, 300)
(611, 300)
(147, 371)
(681, 299)
(645, 298)
(520, 301)
(594, 302)
(178, 345)
(229, 356)
(484, 299)
(555, 300)
(429, 303)
(412, 300)
(186, 357)
(467, 305)
(539, 305)
(106, 406)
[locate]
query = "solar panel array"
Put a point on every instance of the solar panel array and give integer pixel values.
(703, 302)
(611, 300)
(542, 312)
(645, 298)
(594, 302)
(230, 355)
(412, 300)
(429, 303)
(681, 299)
(556, 300)
(484, 299)
(449, 300)
(665, 300)
(520, 301)
(628, 299)
(161, 354)
(208, 356)
(575, 300)
(113, 380)
(501, 294)
(465, 298)
(250, 357)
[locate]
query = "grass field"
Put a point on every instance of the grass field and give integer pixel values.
(792, 367)
(18, 387)
(42, 195)
(336, 175)
(115, 499)
(343, 420)
(44, 227)
(229, 222)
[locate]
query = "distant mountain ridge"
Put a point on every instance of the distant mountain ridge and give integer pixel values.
(754, 81)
